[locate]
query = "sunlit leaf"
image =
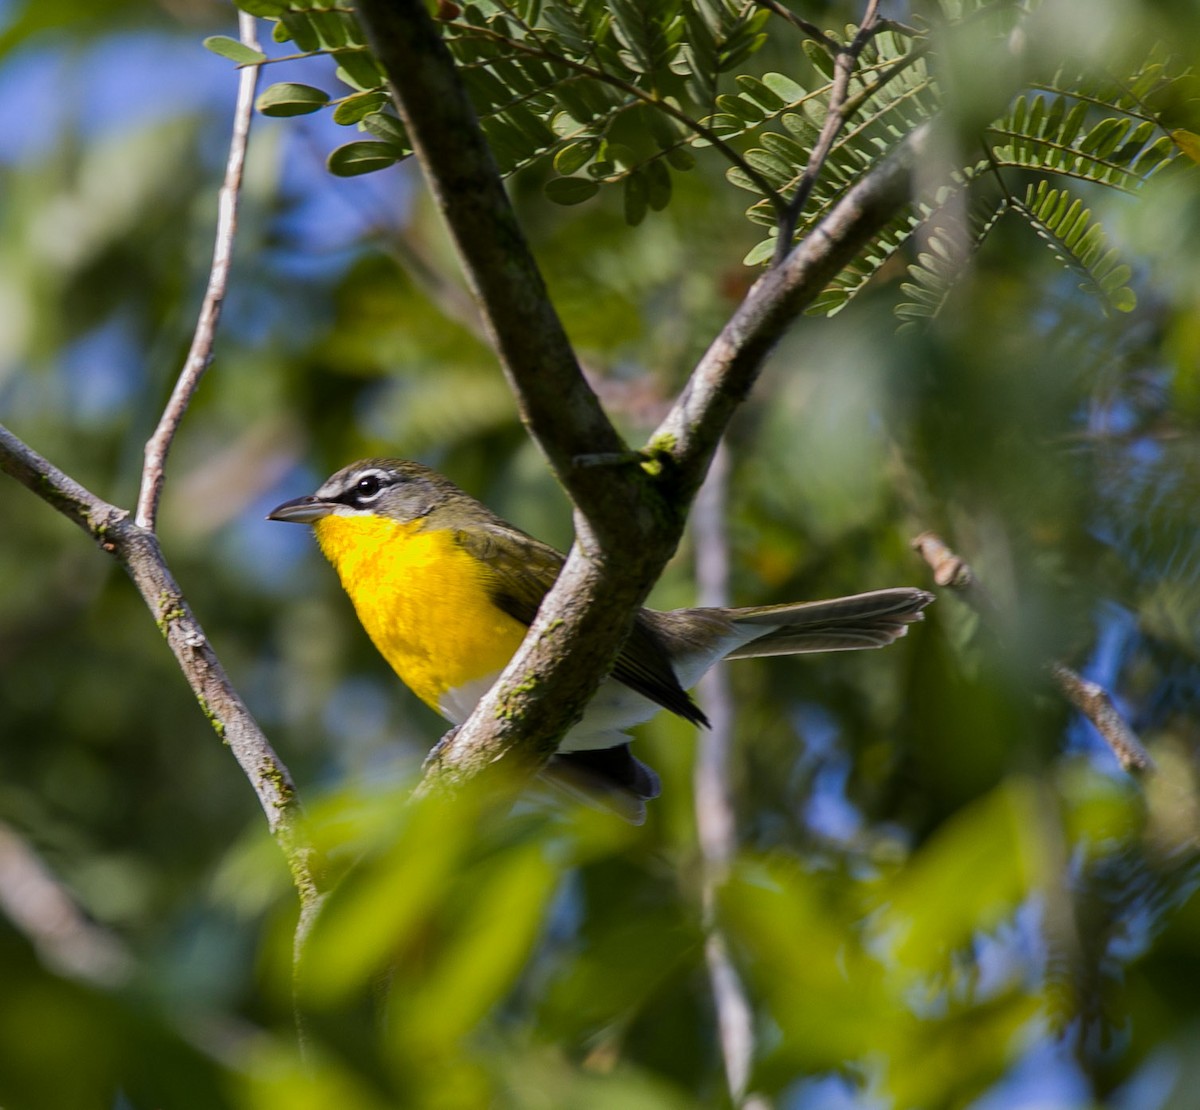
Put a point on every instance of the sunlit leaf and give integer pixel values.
(234, 50)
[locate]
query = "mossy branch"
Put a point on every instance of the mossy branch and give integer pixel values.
(629, 516)
(137, 550)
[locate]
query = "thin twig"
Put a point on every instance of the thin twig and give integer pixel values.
(138, 551)
(951, 571)
(906, 29)
(200, 354)
(1090, 698)
(1096, 704)
(716, 823)
(844, 62)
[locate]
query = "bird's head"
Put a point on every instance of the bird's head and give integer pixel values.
(395, 489)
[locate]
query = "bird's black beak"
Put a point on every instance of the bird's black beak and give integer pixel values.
(302, 510)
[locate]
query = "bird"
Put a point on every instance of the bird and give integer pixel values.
(446, 590)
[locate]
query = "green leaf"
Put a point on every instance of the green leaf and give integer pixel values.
(478, 963)
(1188, 142)
(361, 157)
(761, 93)
(574, 156)
(785, 148)
(658, 185)
(234, 50)
(783, 87)
(722, 124)
(761, 252)
(681, 158)
(570, 190)
(968, 876)
(358, 69)
(740, 107)
(1123, 299)
(819, 56)
(356, 108)
(288, 99)
(299, 28)
(329, 28)
(387, 128)
(777, 171)
(1103, 139)
(636, 198)
(1073, 237)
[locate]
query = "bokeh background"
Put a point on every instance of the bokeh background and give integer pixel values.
(948, 893)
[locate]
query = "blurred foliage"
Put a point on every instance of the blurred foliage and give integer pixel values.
(947, 893)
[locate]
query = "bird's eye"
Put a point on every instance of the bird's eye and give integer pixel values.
(368, 485)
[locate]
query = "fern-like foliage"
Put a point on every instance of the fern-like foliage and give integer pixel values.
(630, 93)
(1060, 219)
(949, 242)
(1075, 238)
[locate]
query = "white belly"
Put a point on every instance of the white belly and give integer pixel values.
(614, 709)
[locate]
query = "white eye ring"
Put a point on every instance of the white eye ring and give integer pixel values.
(368, 487)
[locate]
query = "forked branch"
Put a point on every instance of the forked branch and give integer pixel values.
(133, 543)
(630, 508)
(137, 550)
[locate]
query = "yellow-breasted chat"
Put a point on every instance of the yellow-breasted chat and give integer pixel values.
(446, 590)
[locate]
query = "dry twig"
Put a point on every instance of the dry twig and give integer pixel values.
(809, 28)
(1096, 704)
(1090, 698)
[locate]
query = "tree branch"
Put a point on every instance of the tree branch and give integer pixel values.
(1090, 698)
(137, 550)
(199, 356)
(555, 402)
(729, 368)
(630, 506)
(621, 507)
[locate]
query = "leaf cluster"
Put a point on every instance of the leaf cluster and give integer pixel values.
(598, 95)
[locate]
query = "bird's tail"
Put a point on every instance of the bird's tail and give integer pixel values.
(867, 620)
(606, 778)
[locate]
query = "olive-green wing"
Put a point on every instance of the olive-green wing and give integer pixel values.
(523, 570)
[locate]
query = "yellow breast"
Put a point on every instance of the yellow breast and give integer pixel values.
(422, 600)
